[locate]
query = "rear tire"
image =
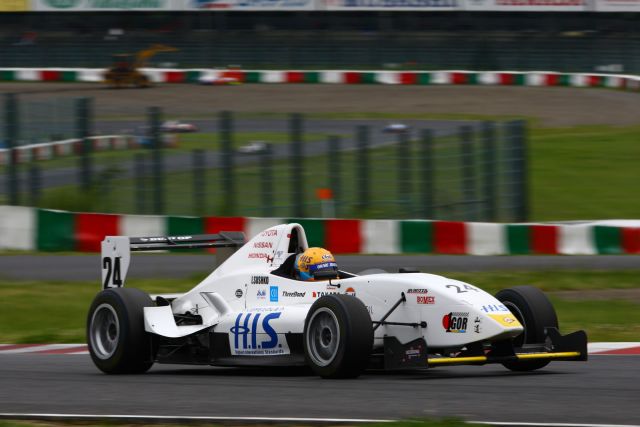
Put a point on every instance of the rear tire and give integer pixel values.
(338, 336)
(535, 312)
(117, 341)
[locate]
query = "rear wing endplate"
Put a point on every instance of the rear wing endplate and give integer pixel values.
(116, 250)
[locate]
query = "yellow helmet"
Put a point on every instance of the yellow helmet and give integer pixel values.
(313, 260)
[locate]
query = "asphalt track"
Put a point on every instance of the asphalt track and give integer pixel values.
(603, 390)
(87, 267)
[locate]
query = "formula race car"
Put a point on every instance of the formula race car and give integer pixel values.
(251, 311)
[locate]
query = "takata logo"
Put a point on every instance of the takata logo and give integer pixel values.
(455, 322)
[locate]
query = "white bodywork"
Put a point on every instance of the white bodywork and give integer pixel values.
(256, 308)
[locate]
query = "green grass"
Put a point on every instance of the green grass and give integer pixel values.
(585, 173)
(46, 312)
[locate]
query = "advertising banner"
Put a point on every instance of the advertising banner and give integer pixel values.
(14, 5)
(526, 5)
(101, 5)
(391, 4)
(616, 5)
(249, 5)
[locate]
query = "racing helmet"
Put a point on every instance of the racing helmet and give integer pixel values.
(313, 260)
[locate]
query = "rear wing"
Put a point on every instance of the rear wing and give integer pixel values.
(116, 250)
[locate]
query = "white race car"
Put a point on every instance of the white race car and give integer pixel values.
(251, 311)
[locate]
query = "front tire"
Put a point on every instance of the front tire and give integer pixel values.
(535, 312)
(338, 336)
(117, 341)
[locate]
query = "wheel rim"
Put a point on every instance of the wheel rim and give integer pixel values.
(521, 339)
(323, 337)
(104, 331)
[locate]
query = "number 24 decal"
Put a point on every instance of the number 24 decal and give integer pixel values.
(113, 272)
(462, 289)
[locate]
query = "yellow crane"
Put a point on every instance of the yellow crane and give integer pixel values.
(125, 71)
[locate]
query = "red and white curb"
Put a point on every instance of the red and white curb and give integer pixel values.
(44, 348)
(594, 348)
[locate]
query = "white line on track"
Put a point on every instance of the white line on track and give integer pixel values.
(156, 418)
(502, 423)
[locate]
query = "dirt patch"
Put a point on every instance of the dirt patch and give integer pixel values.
(553, 107)
(632, 295)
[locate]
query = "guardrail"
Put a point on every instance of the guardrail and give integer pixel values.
(67, 147)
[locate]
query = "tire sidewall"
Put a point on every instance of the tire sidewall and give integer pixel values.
(355, 341)
(133, 349)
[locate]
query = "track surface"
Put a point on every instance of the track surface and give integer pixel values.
(603, 390)
(87, 267)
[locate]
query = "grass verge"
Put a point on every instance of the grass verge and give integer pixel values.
(46, 312)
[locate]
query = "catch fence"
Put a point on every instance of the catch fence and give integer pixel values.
(289, 167)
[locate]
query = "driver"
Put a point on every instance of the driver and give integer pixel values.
(313, 260)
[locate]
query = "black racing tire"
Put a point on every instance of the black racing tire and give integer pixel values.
(338, 336)
(535, 312)
(117, 341)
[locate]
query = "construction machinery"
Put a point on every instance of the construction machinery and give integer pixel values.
(125, 71)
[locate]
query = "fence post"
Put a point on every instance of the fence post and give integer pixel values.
(297, 158)
(140, 191)
(227, 179)
(266, 181)
(199, 179)
(83, 132)
(35, 184)
(428, 181)
(489, 163)
(155, 118)
(334, 170)
(468, 183)
(517, 142)
(11, 131)
(403, 164)
(362, 167)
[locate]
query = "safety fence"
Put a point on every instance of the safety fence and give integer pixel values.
(443, 77)
(26, 228)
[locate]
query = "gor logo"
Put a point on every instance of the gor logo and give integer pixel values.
(455, 322)
(245, 340)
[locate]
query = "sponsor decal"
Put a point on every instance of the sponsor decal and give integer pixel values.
(494, 308)
(266, 233)
(412, 353)
(350, 291)
(414, 4)
(294, 294)
(260, 255)
(321, 294)
(165, 239)
(455, 322)
(327, 257)
(239, 293)
(261, 294)
(424, 299)
(476, 325)
(259, 280)
(417, 291)
(508, 320)
(245, 338)
(273, 293)
(263, 245)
